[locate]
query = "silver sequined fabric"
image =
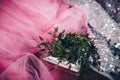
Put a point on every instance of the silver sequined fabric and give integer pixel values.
(104, 32)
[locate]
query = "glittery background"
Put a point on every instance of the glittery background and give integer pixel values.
(112, 7)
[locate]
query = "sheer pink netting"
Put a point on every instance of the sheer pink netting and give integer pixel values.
(21, 22)
(27, 67)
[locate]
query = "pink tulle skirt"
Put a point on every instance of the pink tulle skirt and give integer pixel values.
(21, 23)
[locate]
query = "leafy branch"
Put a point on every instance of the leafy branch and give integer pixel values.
(72, 47)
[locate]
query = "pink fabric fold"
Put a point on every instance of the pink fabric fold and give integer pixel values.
(27, 67)
(22, 21)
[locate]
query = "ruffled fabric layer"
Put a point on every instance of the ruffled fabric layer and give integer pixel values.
(27, 67)
(21, 22)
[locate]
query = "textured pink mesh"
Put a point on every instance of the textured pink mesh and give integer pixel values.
(21, 22)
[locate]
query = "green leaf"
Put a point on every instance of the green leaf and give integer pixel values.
(60, 36)
(42, 49)
(54, 36)
(40, 38)
(56, 29)
(54, 68)
(38, 46)
(63, 31)
(70, 66)
(38, 55)
(44, 43)
(82, 35)
(50, 33)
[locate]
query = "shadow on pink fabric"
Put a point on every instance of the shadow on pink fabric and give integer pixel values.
(21, 22)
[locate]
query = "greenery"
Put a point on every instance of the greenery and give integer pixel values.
(72, 47)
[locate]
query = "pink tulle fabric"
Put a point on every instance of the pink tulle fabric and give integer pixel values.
(21, 22)
(26, 68)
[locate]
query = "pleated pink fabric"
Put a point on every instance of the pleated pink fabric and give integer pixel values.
(21, 22)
